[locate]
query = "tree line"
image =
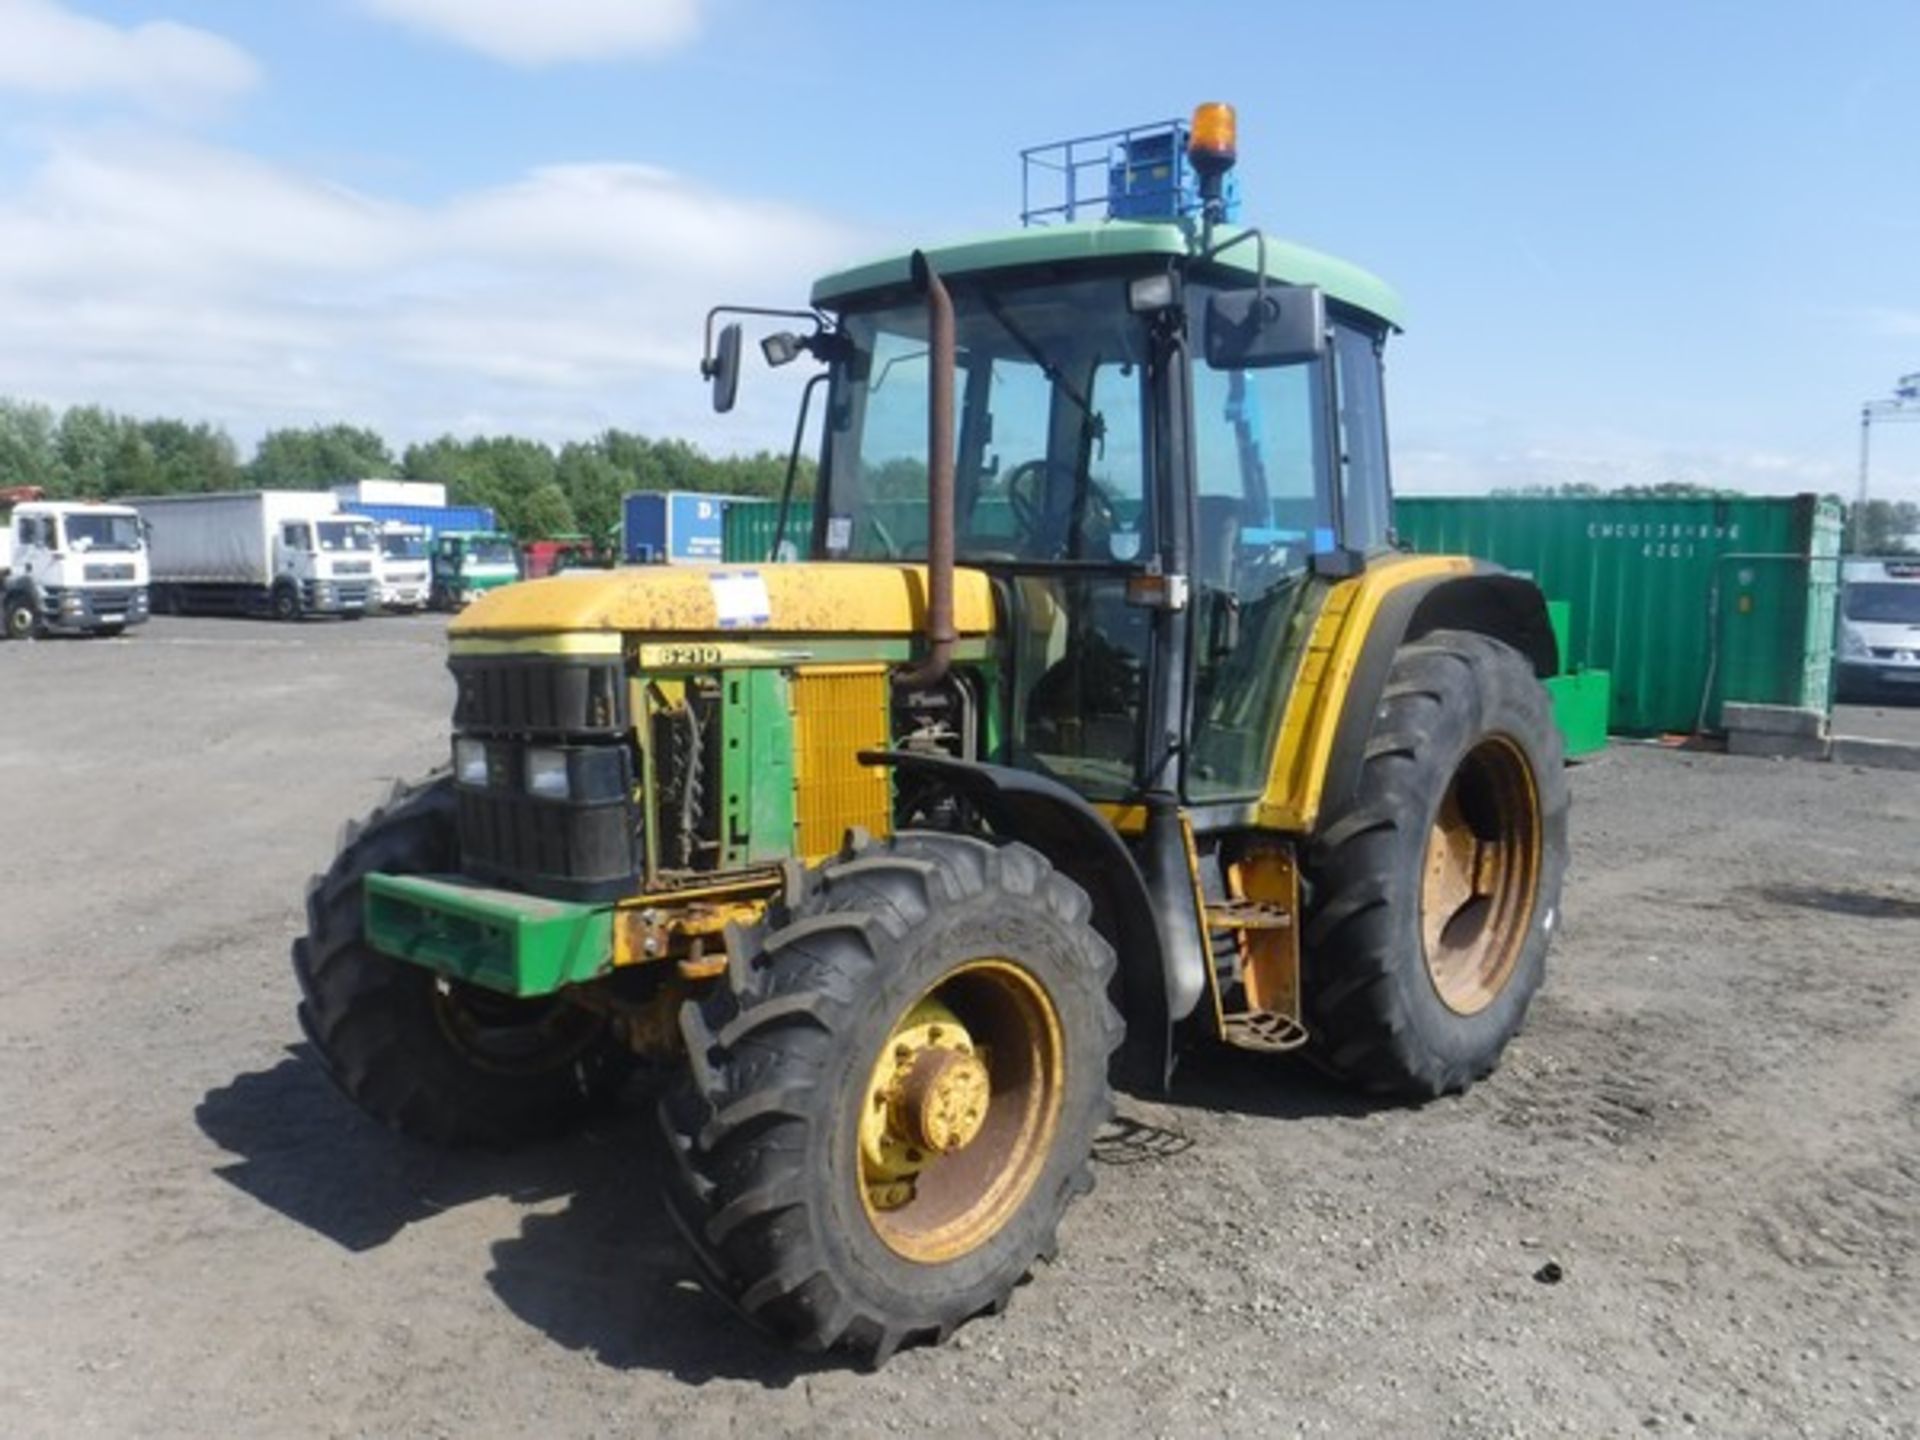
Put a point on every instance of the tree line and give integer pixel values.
(535, 489)
(88, 452)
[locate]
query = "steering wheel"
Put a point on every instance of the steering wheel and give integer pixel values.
(1044, 531)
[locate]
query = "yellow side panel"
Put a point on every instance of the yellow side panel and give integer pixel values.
(738, 601)
(838, 711)
(1291, 800)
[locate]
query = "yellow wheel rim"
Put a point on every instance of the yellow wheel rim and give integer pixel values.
(959, 1111)
(1481, 875)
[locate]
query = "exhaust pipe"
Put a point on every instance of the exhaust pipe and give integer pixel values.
(940, 368)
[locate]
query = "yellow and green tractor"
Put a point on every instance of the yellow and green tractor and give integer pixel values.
(1103, 721)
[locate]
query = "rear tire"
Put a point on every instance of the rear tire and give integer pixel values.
(436, 1059)
(1436, 888)
(773, 1182)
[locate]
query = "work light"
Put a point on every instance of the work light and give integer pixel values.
(470, 763)
(547, 774)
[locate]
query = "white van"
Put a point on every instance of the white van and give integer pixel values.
(1879, 629)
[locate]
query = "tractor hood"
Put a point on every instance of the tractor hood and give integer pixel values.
(798, 599)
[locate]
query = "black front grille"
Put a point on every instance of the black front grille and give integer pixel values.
(587, 847)
(539, 696)
(569, 850)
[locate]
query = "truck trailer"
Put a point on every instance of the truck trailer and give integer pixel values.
(671, 527)
(74, 568)
(286, 553)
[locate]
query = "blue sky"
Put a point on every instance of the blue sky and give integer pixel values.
(1637, 241)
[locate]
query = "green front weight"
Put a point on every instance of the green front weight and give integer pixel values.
(516, 944)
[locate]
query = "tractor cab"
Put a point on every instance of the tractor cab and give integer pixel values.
(1166, 435)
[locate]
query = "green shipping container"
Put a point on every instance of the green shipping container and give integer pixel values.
(746, 535)
(1688, 603)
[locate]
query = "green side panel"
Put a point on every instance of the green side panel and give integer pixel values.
(1122, 239)
(1640, 576)
(516, 944)
(1580, 704)
(747, 530)
(756, 767)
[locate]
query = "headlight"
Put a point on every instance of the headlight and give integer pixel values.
(547, 774)
(470, 763)
(1851, 644)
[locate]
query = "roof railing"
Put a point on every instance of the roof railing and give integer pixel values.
(1138, 173)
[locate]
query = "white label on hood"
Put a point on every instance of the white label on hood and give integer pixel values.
(740, 598)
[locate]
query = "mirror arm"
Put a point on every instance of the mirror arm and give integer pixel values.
(1259, 238)
(817, 318)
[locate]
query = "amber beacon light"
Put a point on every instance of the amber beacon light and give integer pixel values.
(1210, 142)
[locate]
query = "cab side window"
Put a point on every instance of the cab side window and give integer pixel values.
(1366, 495)
(294, 537)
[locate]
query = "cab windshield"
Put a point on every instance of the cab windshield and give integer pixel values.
(403, 547)
(490, 552)
(1050, 442)
(103, 532)
(1050, 489)
(339, 535)
(1883, 603)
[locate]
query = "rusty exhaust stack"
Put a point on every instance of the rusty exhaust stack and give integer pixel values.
(940, 368)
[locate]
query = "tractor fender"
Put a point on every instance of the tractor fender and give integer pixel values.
(1083, 846)
(1487, 601)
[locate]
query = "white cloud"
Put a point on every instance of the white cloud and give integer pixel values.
(47, 49)
(163, 276)
(523, 32)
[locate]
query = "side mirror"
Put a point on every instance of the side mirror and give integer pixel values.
(1256, 329)
(724, 368)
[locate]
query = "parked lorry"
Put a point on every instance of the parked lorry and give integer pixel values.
(556, 554)
(72, 567)
(468, 563)
(1104, 721)
(403, 566)
(287, 553)
(1879, 629)
(671, 527)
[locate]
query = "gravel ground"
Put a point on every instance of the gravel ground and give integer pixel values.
(1710, 1133)
(1883, 720)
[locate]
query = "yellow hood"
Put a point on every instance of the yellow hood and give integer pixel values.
(810, 599)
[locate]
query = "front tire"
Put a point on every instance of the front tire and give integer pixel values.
(890, 1100)
(433, 1058)
(286, 603)
(1436, 887)
(22, 619)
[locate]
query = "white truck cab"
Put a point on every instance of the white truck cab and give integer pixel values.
(72, 567)
(403, 566)
(1880, 629)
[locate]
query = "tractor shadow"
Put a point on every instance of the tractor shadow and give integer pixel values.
(1219, 1079)
(602, 1274)
(596, 1265)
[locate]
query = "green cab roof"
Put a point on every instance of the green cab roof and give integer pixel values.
(1121, 239)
